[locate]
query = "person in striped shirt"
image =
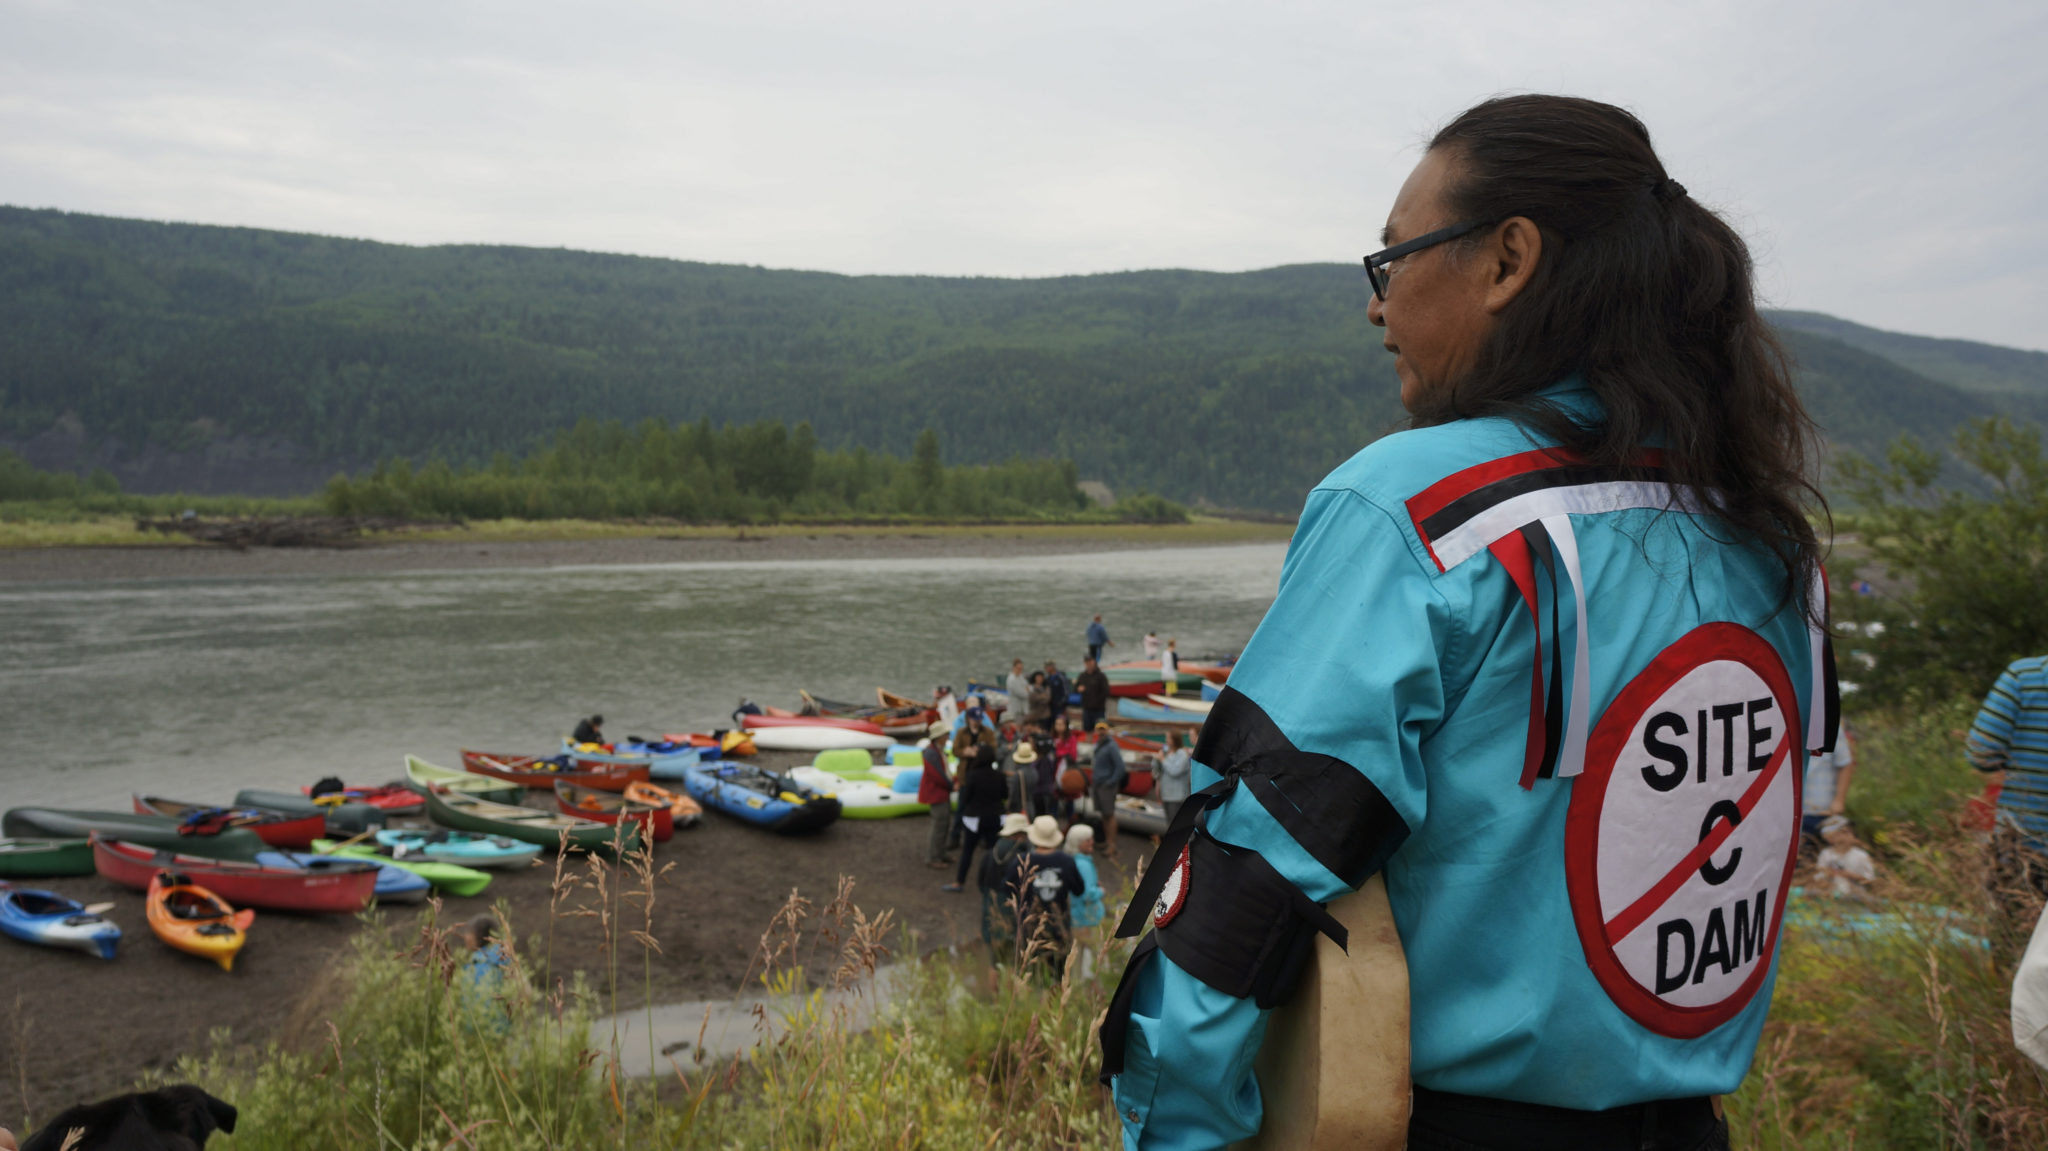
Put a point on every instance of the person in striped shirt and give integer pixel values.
(2010, 738)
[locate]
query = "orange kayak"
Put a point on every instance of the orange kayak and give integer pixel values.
(684, 811)
(195, 920)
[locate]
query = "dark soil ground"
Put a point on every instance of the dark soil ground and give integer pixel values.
(73, 1028)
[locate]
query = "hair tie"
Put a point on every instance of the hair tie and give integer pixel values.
(1667, 190)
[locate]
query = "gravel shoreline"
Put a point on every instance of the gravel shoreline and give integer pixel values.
(92, 564)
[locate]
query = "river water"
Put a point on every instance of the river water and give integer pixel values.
(194, 688)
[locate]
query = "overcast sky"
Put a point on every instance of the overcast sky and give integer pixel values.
(1884, 158)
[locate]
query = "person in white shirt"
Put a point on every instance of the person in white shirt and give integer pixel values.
(1151, 645)
(948, 707)
(1169, 665)
(1018, 685)
(1847, 866)
(1825, 787)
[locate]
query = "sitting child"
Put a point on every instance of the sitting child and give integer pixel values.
(1845, 863)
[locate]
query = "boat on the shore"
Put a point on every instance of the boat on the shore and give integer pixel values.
(452, 878)
(44, 858)
(52, 920)
(336, 886)
(683, 812)
(1151, 713)
(394, 884)
(465, 812)
(276, 828)
(655, 820)
(147, 830)
(497, 852)
(755, 723)
(860, 797)
(390, 798)
(196, 921)
(541, 772)
(760, 797)
(1141, 815)
(342, 818)
(422, 776)
(1197, 708)
(815, 739)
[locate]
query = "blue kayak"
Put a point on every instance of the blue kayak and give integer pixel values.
(760, 797)
(1153, 713)
(465, 848)
(48, 918)
(394, 884)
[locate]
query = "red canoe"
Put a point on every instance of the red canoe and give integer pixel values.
(395, 798)
(539, 771)
(757, 722)
(341, 887)
(605, 807)
(275, 828)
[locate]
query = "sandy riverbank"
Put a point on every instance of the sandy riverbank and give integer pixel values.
(487, 548)
(77, 1027)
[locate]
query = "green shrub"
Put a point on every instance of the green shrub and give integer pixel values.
(1966, 571)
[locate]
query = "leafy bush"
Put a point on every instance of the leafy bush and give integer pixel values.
(1970, 569)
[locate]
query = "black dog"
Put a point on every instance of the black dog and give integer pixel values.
(173, 1119)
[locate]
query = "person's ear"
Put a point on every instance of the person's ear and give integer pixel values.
(1510, 261)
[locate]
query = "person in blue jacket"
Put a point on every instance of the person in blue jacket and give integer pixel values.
(1550, 661)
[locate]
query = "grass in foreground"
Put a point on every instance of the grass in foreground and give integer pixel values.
(417, 1056)
(1901, 1037)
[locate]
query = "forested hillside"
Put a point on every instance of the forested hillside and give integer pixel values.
(1239, 390)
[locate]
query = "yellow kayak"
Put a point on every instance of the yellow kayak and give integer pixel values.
(195, 920)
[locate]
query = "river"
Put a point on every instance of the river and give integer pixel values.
(194, 688)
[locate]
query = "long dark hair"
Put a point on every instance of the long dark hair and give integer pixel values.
(1647, 295)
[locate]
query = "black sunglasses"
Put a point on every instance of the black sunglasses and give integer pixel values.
(1376, 264)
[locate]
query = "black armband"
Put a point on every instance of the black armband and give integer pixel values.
(1326, 804)
(1237, 924)
(1226, 917)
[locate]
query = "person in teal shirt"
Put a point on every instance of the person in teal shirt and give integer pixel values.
(1550, 661)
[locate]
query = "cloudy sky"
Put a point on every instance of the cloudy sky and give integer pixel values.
(1885, 158)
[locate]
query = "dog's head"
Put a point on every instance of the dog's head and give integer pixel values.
(186, 1112)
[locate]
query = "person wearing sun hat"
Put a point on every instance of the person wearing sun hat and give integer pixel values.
(1039, 884)
(935, 790)
(998, 921)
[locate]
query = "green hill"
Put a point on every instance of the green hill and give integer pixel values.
(124, 342)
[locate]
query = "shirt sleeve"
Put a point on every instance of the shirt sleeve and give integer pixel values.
(1991, 735)
(1346, 664)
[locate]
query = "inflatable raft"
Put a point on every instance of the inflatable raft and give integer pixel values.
(760, 797)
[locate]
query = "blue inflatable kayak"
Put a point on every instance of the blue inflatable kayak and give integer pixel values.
(394, 884)
(759, 796)
(465, 848)
(48, 918)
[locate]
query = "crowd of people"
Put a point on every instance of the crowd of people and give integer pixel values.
(1020, 806)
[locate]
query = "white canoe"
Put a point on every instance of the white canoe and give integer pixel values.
(1183, 703)
(816, 739)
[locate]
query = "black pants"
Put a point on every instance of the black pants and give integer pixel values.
(984, 837)
(1446, 1122)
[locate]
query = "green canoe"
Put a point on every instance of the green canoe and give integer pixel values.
(155, 831)
(44, 858)
(424, 777)
(526, 824)
(452, 878)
